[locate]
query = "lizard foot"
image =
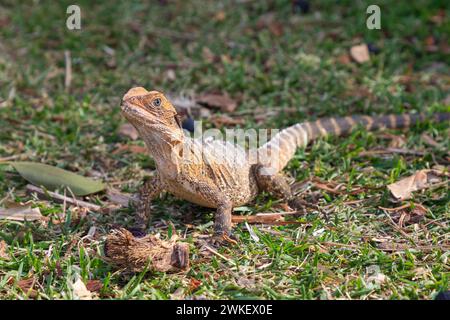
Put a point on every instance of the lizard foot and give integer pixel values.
(296, 203)
(223, 239)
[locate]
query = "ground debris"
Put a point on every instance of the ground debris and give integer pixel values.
(422, 179)
(136, 254)
(20, 212)
(217, 101)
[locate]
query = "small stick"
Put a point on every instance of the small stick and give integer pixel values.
(68, 73)
(217, 253)
(59, 198)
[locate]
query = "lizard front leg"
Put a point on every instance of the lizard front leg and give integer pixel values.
(222, 221)
(151, 188)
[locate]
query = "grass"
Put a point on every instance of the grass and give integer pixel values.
(332, 253)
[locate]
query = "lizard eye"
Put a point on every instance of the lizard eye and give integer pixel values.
(156, 102)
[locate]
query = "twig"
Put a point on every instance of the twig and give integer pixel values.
(391, 150)
(274, 218)
(217, 253)
(68, 73)
(59, 198)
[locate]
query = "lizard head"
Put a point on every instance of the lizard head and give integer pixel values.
(152, 114)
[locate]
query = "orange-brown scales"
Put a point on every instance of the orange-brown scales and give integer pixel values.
(219, 174)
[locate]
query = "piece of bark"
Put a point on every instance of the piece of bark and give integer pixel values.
(125, 251)
(59, 198)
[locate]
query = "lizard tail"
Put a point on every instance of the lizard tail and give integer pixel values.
(277, 152)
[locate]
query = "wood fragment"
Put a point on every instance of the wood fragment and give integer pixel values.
(125, 251)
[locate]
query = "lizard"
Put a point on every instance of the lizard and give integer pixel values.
(219, 175)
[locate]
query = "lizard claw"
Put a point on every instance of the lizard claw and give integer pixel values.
(222, 239)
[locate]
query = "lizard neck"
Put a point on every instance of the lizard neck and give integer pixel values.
(166, 150)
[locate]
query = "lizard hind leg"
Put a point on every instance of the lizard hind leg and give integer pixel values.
(275, 184)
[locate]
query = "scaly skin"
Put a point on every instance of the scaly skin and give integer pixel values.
(219, 175)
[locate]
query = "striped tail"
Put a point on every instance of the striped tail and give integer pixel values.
(281, 148)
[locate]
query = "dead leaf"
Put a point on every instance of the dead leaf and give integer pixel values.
(80, 291)
(27, 286)
(377, 279)
(118, 197)
(94, 285)
(207, 55)
(396, 141)
(130, 148)
(178, 294)
(218, 101)
(422, 179)
(220, 120)
(20, 212)
(344, 59)
(407, 214)
(220, 16)
(430, 44)
(439, 17)
(3, 250)
(276, 28)
(360, 53)
(429, 140)
(194, 284)
(170, 75)
(129, 131)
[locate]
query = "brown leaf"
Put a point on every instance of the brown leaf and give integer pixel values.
(222, 102)
(119, 198)
(207, 55)
(276, 28)
(20, 212)
(407, 214)
(439, 17)
(422, 179)
(3, 250)
(194, 284)
(344, 59)
(396, 141)
(360, 53)
(129, 131)
(429, 140)
(220, 16)
(430, 44)
(130, 148)
(94, 285)
(170, 75)
(27, 286)
(224, 120)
